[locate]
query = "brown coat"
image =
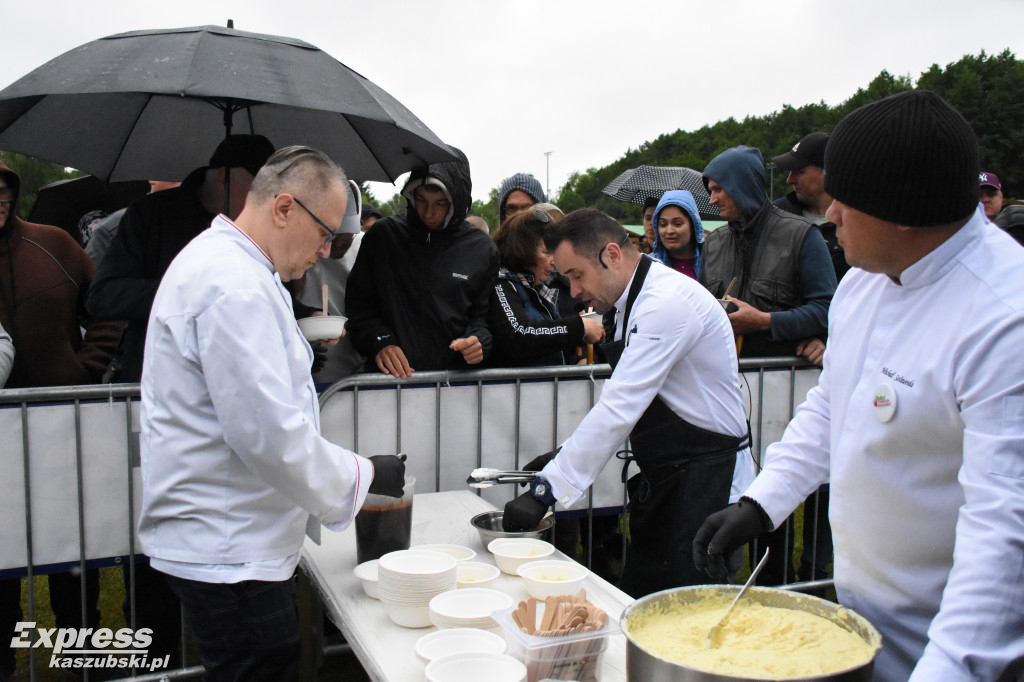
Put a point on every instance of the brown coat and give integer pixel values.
(44, 275)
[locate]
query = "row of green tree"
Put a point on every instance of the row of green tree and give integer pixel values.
(987, 89)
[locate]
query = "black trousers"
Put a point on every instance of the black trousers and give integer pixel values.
(247, 631)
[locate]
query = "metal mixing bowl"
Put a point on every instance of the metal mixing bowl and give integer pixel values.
(488, 524)
(642, 666)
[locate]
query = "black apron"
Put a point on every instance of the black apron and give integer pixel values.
(685, 475)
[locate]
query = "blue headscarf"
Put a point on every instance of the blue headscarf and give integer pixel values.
(684, 200)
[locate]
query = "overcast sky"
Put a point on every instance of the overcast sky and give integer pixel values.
(507, 81)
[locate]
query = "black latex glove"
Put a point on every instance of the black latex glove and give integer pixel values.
(388, 475)
(523, 513)
(319, 357)
(724, 532)
(539, 462)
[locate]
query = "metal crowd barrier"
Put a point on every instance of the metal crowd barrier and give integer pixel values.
(71, 454)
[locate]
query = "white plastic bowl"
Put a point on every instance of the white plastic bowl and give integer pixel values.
(408, 616)
(545, 579)
(476, 574)
(511, 553)
(458, 552)
(475, 667)
(367, 574)
(321, 327)
(458, 641)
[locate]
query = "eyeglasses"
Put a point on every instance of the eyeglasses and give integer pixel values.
(6, 202)
(600, 254)
(319, 222)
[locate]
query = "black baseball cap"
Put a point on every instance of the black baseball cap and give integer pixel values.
(809, 151)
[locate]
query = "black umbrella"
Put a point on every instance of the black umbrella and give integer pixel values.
(64, 202)
(155, 104)
(639, 184)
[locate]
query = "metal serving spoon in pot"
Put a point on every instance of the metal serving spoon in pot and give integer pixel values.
(715, 633)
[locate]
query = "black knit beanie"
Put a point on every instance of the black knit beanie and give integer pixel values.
(910, 159)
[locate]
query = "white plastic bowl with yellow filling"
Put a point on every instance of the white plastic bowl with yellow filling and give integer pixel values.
(545, 579)
(511, 553)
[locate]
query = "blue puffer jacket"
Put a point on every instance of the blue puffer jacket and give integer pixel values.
(684, 200)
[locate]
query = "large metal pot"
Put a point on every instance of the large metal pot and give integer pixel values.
(643, 666)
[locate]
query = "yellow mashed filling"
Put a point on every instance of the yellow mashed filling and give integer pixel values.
(757, 641)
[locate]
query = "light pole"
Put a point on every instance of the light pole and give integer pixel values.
(547, 160)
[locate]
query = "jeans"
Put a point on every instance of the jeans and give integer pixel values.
(246, 631)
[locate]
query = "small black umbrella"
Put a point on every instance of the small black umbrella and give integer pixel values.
(155, 104)
(64, 202)
(639, 184)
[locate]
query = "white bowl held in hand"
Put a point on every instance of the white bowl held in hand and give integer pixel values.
(545, 579)
(511, 553)
(322, 327)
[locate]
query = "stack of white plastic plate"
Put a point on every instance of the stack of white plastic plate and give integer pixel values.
(408, 579)
(468, 608)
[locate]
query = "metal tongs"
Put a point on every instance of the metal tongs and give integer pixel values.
(485, 477)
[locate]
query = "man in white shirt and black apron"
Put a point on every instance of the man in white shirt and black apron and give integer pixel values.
(674, 392)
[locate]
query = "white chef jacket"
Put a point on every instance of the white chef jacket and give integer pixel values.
(233, 463)
(927, 509)
(681, 349)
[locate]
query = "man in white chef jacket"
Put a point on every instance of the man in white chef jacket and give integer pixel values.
(918, 417)
(234, 469)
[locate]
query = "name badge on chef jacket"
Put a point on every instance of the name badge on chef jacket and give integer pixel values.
(884, 402)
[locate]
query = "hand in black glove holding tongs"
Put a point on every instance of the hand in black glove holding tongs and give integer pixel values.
(541, 461)
(724, 532)
(526, 511)
(388, 475)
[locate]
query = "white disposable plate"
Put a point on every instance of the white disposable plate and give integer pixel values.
(473, 606)
(458, 641)
(458, 552)
(475, 667)
(414, 562)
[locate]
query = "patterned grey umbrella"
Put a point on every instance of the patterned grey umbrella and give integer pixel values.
(636, 185)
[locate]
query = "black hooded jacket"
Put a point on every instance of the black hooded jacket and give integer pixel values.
(421, 289)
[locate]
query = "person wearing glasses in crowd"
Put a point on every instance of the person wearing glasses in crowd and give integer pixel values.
(525, 318)
(674, 392)
(518, 193)
(153, 230)
(418, 292)
(235, 472)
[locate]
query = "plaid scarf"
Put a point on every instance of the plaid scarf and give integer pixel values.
(547, 293)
